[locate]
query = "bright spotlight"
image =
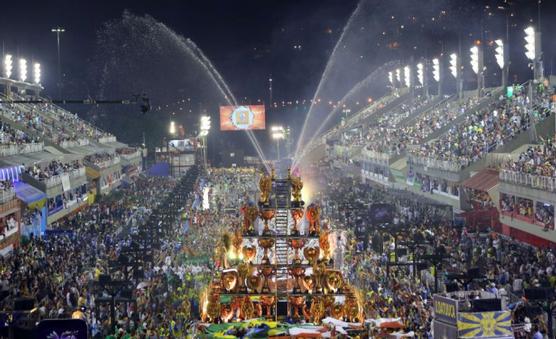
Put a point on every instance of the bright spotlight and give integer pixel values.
(399, 75)
(499, 52)
(407, 76)
(391, 77)
(277, 129)
(277, 135)
(530, 43)
(421, 73)
(22, 70)
(474, 59)
(205, 125)
(37, 73)
(8, 65)
(454, 64)
(436, 69)
(172, 129)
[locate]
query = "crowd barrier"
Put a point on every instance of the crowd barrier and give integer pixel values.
(530, 180)
(57, 179)
(7, 150)
(7, 195)
(445, 165)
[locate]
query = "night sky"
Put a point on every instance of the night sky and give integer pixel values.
(250, 40)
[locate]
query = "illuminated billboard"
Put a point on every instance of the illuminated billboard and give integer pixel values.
(237, 118)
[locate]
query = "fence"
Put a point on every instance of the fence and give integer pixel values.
(57, 179)
(7, 150)
(445, 165)
(530, 180)
(6, 195)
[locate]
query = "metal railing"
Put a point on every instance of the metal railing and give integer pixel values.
(377, 157)
(7, 150)
(7, 195)
(57, 179)
(540, 182)
(445, 165)
(74, 143)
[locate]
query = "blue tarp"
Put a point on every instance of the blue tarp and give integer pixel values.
(27, 193)
(161, 169)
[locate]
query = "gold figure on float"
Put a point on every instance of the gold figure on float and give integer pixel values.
(297, 186)
(265, 186)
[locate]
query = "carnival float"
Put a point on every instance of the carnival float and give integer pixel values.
(276, 275)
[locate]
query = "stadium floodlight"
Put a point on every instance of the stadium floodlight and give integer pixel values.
(277, 132)
(399, 75)
(407, 76)
(499, 52)
(205, 125)
(391, 77)
(436, 69)
(530, 51)
(475, 59)
(421, 73)
(22, 69)
(37, 73)
(172, 129)
(454, 64)
(8, 65)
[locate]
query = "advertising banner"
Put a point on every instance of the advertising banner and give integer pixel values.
(445, 309)
(238, 118)
(485, 324)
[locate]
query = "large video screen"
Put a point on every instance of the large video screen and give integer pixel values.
(237, 118)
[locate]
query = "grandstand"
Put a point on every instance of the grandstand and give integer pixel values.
(457, 150)
(53, 161)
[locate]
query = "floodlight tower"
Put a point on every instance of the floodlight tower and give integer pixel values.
(278, 133)
(391, 80)
(59, 30)
(500, 53)
(478, 65)
(455, 69)
(422, 77)
(533, 51)
(436, 74)
(204, 131)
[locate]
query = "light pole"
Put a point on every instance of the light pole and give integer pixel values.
(58, 30)
(204, 130)
(172, 131)
(277, 134)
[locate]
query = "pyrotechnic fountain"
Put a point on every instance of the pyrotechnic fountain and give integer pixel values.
(123, 46)
(285, 272)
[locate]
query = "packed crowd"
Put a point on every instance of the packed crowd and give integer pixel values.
(52, 169)
(51, 122)
(538, 160)
(506, 267)
(485, 130)
(12, 136)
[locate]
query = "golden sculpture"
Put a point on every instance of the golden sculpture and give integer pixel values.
(249, 253)
(313, 217)
(324, 246)
(311, 254)
(318, 274)
(296, 244)
(247, 308)
(265, 187)
(333, 281)
(243, 271)
(308, 283)
(250, 214)
(229, 279)
(297, 186)
(267, 302)
(337, 311)
(297, 303)
(253, 283)
(266, 244)
(267, 214)
(266, 271)
(317, 310)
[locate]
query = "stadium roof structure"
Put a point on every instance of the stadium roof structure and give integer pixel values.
(484, 180)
